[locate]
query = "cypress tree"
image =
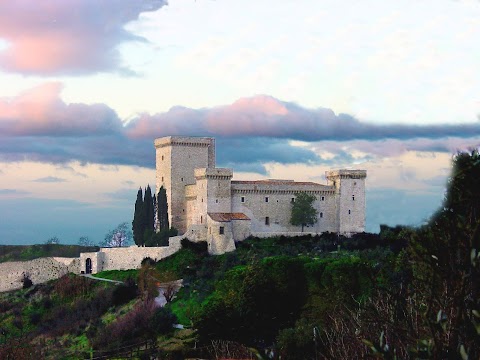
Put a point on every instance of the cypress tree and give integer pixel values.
(138, 227)
(162, 208)
(148, 216)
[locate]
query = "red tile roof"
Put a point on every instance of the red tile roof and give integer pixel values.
(225, 217)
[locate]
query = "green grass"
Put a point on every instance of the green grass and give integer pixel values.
(119, 275)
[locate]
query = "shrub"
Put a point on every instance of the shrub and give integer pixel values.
(162, 320)
(124, 293)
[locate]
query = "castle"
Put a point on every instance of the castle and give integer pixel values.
(206, 204)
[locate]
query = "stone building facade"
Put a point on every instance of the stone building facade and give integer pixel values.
(206, 204)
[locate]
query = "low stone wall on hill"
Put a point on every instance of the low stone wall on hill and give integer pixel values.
(45, 269)
(124, 258)
(38, 270)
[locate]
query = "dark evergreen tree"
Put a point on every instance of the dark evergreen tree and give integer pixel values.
(148, 208)
(162, 208)
(138, 226)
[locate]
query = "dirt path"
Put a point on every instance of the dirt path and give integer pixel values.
(90, 276)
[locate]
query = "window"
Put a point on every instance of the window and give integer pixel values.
(323, 198)
(266, 198)
(221, 230)
(216, 201)
(349, 212)
(293, 200)
(353, 197)
(267, 221)
(162, 157)
(201, 219)
(321, 215)
(242, 199)
(182, 179)
(162, 178)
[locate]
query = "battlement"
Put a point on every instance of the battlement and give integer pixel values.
(346, 174)
(213, 173)
(184, 141)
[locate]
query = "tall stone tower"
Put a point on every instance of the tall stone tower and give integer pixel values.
(349, 199)
(177, 158)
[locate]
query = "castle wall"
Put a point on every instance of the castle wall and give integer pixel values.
(250, 198)
(241, 229)
(39, 271)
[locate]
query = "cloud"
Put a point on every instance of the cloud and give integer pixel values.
(265, 116)
(50, 179)
(67, 37)
(38, 125)
(41, 112)
(13, 192)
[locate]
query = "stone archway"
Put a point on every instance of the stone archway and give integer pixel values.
(88, 266)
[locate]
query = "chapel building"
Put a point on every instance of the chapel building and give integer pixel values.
(205, 204)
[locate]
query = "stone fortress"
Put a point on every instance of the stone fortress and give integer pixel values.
(205, 204)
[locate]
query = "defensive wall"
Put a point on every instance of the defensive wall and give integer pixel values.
(124, 258)
(38, 270)
(44, 269)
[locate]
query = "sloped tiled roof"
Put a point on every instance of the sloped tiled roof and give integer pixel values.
(225, 217)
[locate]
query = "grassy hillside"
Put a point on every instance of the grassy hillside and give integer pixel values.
(30, 252)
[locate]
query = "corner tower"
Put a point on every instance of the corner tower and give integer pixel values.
(177, 157)
(349, 199)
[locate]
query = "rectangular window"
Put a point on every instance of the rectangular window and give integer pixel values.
(293, 200)
(267, 221)
(242, 199)
(222, 230)
(266, 198)
(321, 215)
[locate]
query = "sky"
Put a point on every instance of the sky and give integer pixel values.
(289, 89)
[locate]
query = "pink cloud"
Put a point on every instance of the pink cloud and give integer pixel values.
(69, 36)
(41, 111)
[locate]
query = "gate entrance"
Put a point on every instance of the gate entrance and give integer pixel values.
(88, 266)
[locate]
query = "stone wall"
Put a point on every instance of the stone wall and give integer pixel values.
(124, 258)
(39, 271)
(260, 200)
